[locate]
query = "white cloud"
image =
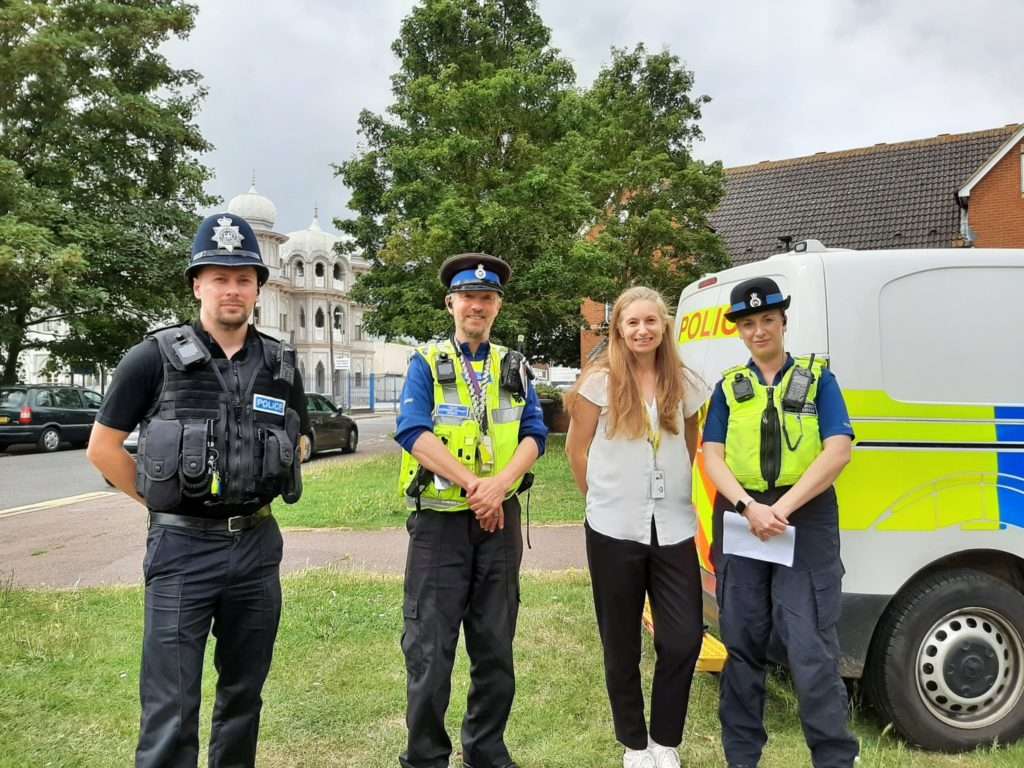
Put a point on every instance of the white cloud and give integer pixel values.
(287, 80)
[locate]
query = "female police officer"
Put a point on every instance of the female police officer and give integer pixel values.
(776, 438)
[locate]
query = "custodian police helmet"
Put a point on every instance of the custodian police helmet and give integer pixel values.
(226, 240)
(475, 272)
(755, 295)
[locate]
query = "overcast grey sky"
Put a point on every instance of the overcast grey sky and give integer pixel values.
(287, 80)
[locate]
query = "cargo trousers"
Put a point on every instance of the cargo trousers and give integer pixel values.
(198, 582)
(458, 575)
(801, 607)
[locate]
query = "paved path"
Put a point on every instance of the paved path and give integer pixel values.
(101, 541)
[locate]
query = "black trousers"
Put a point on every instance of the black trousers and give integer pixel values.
(197, 581)
(456, 574)
(622, 573)
(801, 606)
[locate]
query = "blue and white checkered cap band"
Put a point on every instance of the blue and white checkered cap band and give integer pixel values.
(474, 276)
(770, 299)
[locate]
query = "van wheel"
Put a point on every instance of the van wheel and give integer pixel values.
(49, 440)
(947, 662)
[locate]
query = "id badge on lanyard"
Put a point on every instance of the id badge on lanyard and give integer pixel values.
(657, 489)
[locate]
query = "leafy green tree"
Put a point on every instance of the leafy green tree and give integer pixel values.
(490, 146)
(99, 176)
(651, 197)
(471, 159)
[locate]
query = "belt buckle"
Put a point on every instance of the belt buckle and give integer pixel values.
(230, 523)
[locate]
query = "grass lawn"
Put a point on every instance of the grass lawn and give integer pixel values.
(362, 494)
(69, 684)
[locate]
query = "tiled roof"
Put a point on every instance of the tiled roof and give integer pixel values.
(886, 196)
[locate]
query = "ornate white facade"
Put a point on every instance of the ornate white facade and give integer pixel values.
(306, 301)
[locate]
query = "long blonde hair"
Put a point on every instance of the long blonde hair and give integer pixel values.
(626, 411)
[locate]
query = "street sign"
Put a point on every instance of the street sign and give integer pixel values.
(342, 363)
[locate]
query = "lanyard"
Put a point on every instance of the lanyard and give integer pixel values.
(653, 435)
(476, 387)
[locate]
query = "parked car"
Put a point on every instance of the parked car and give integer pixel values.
(328, 428)
(47, 415)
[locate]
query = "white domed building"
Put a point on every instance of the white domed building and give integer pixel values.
(306, 302)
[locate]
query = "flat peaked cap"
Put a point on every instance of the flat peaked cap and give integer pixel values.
(758, 294)
(475, 272)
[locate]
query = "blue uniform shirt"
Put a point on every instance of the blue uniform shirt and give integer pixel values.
(416, 414)
(832, 416)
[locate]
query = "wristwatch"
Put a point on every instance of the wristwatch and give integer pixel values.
(741, 506)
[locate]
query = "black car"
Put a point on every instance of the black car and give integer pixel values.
(46, 414)
(328, 428)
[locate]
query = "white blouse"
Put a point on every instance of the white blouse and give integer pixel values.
(619, 473)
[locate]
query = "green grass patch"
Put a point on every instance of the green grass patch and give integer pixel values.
(69, 665)
(362, 494)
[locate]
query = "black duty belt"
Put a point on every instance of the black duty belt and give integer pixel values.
(230, 524)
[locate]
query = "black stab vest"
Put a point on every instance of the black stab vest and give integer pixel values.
(214, 415)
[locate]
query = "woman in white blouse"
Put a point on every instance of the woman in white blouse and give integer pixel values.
(630, 443)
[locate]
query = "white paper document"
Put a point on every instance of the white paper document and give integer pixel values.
(737, 539)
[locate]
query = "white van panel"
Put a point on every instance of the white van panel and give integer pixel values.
(919, 316)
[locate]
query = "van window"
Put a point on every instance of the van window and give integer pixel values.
(950, 336)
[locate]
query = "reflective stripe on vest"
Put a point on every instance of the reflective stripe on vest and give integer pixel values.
(459, 431)
(750, 458)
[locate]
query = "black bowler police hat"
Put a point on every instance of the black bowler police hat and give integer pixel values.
(755, 295)
(475, 272)
(226, 240)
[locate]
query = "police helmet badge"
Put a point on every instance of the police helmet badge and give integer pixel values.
(227, 236)
(755, 300)
(480, 273)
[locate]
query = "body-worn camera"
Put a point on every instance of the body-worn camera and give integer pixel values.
(445, 369)
(742, 389)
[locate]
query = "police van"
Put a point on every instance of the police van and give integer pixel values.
(928, 347)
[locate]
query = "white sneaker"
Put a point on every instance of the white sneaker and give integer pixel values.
(664, 757)
(637, 758)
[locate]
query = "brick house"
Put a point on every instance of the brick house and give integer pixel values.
(952, 190)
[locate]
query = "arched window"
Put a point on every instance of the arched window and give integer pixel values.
(300, 269)
(339, 319)
(319, 319)
(321, 377)
(302, 317)
(319, 269)
(338, 272)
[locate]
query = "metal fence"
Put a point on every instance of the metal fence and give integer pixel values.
(367, 392)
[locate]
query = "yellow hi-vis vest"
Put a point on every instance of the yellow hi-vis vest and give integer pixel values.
(456, 427)
(757, 450)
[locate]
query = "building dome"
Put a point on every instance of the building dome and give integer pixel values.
(312, 239)
(254, 208)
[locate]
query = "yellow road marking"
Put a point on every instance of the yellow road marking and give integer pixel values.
(14, 511)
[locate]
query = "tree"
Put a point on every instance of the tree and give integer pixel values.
(99, 179)
(651, 197)
(489, 146)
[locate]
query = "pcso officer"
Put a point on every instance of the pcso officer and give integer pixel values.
(221, 407)
(777, 436)
(471, 427)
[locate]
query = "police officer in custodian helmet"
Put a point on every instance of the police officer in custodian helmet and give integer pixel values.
(221, 407)
(777, 436)
(471, 427)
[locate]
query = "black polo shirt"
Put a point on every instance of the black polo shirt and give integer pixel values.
(136, 386)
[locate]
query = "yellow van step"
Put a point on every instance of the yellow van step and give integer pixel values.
(712, 652)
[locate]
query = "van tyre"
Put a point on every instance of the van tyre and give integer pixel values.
(49, 440)
(947, 662)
